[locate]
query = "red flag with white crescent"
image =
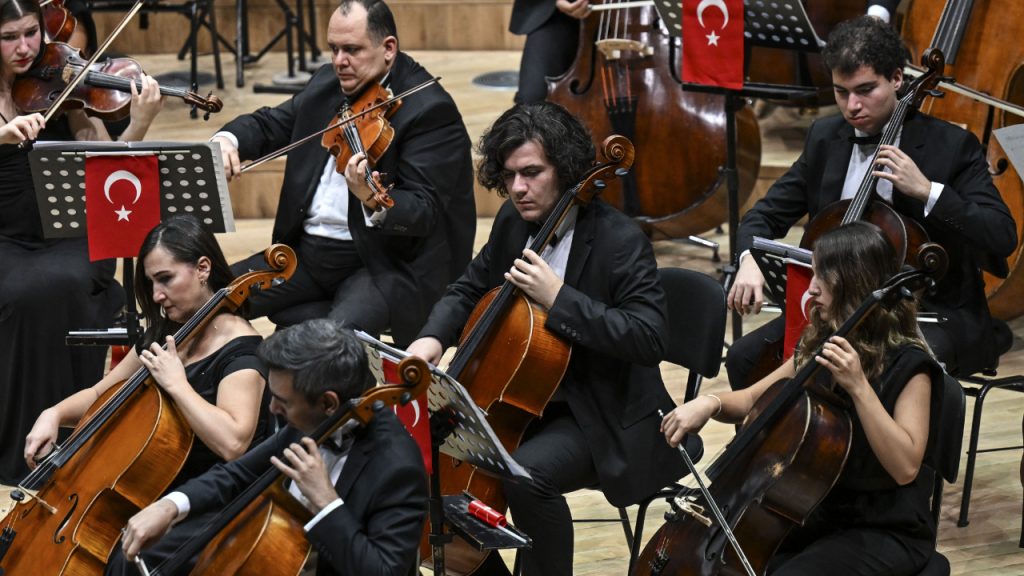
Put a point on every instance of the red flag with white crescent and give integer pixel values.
(713, 43)
(798, 281)
(122, 203)
(413, 415)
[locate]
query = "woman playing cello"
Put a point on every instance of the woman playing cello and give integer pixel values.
(47, 287)
(876, 518)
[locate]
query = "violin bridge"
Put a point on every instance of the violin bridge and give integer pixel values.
(612, 48)
(688, 505)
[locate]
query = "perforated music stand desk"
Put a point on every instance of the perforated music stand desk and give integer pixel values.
(772, 257)
(191, 182)
(473, 441)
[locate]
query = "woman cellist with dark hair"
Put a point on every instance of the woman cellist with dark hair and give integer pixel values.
(876, 518)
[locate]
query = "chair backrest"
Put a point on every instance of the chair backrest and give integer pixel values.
(696, 317)
(944, 448)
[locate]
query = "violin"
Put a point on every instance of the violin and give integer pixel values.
(370, 134)
(122, 456)
(58, 23)
(105, 91)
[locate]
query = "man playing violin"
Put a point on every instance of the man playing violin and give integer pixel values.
(599, 284)
(936, 174)
(366, 266)
(366, 488)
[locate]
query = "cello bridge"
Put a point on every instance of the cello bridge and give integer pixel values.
(612, 48)
(688, 505)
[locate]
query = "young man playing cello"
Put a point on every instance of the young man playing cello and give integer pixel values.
(368, 492)
(599, 284)
(936, 175)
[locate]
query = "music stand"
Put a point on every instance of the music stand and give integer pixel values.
(191, 182)
(772, 257)
(777, 24)
(471, 440)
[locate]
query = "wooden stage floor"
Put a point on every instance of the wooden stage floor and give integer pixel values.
(987, 546)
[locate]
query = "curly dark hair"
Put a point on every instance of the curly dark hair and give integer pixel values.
(566, 143)
(852, 261)
(865, 41)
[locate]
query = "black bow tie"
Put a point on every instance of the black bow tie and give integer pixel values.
(867, 140)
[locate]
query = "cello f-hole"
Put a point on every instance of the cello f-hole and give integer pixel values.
(58, 538)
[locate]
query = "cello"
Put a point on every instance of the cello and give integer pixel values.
(786, 458)
(511, 364)
(122, 455)
(980, 39)
(625, 80)
(261, 531)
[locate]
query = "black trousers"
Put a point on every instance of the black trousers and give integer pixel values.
(558, 458)
(549, 51)
(330, 280)
(850, 552)
(745, 352)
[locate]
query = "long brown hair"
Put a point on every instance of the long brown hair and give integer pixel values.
(852, 261)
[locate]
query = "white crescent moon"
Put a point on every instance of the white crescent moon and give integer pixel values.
(803, 303)
(122, 175)
(720, 4)
(415, 411)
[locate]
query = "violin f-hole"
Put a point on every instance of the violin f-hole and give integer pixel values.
(57, 537)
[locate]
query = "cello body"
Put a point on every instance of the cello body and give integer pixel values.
(988, 58)
(764, 492)
(106, 483)
(511, 376)
(625, 80)
(266, 538)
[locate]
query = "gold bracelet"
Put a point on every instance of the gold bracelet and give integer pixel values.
(719, 411)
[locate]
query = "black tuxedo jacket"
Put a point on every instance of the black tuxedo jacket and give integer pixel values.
(427, 238)
(383, 485)
(612, 310)
(969, 220)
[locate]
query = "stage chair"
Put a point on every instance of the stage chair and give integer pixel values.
(978, 386)
(943, 457)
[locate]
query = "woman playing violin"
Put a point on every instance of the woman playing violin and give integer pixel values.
(215, 380)
(46, 286)
(876, 519)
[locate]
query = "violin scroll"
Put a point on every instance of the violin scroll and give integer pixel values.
(618, 152)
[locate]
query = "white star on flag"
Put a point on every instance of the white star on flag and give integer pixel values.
(122, 214)
(713, 39)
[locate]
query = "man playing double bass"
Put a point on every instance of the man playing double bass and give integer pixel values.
(937, 175)
(375, 268)
(599, 284)
(366, 487)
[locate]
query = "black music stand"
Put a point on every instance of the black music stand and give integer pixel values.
(470, 439)
(191, 182)
(773, 23)
(772, 257)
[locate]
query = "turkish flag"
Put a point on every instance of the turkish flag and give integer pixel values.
(798, 280)
(713, 43)
(122, 203)
(413, 415)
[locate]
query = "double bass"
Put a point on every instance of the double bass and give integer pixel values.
(625, 80)
(511, 364)
(787, 456)
(122, 456)
(981, 42)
